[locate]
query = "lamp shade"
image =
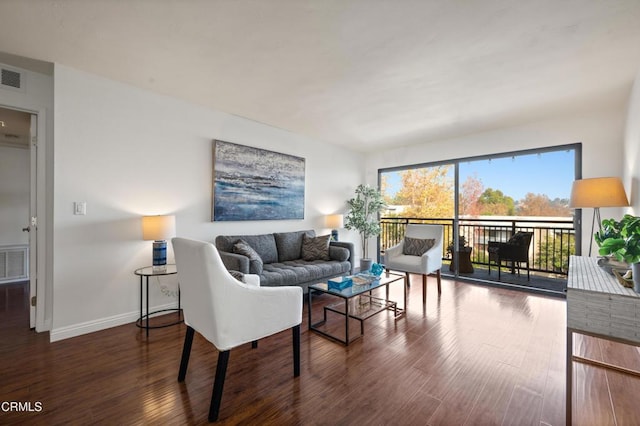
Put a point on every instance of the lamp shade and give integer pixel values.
(598, 192)
(334, 221)
(158, 227)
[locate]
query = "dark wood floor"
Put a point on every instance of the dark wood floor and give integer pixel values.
(475, 356)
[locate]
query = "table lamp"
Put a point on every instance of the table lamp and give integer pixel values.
(596, 193)
(159, 229)
(334, 221)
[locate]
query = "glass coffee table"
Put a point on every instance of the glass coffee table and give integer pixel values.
(358, 303)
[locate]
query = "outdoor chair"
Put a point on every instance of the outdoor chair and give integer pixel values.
(229, 313)
(516, 251)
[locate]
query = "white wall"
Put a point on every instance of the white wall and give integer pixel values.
(14, 195)
(601, 134)
(632, 148)
(127, 153)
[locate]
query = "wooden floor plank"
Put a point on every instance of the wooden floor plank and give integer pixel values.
(474, 355)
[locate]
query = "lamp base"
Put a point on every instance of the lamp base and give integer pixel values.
(159, 256)
(334, 235)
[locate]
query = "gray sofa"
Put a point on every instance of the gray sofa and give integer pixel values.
(286, 258)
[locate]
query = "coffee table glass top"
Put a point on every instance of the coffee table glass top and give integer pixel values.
(356, 289)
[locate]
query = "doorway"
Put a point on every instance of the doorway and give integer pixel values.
(18, 157)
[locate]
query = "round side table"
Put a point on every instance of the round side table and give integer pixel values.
(154, 271)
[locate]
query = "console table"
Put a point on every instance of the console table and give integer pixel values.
(598, 305)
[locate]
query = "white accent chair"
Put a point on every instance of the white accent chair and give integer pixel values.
(229, 313)
(430, 262)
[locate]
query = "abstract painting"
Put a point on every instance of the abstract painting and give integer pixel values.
(255, 184)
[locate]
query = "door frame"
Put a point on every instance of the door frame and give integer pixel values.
(37, 240)
(33, 219)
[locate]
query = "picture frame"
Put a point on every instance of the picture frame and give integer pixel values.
(256, 184)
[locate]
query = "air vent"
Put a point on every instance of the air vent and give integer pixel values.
(14, 263)
(10, 79)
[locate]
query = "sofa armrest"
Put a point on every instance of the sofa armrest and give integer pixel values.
(349, 246)
(252, 280)
(235, 262)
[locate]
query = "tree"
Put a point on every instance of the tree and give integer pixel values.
(555, 250)
(427, 191)
(363, 214)
(493, 202)
(541, 205)
(470, 195)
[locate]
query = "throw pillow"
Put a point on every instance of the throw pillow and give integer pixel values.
(417, 246)
(315, 248)
(255, 261)
(237, 275)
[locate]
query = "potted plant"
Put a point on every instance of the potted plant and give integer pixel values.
(363, 217)
(610, 229)
(622, 241)
(464, 255)
(462, 245)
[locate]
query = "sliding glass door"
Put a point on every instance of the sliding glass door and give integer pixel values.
(489, 198)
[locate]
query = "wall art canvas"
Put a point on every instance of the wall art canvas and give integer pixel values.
(256, 184)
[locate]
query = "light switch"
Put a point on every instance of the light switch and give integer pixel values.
(80, 208)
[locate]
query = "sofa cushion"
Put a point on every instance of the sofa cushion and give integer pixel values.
(264, 245)
(294, 272)
(417, 246)
(315, 248)
(289, 244)
(255, 262)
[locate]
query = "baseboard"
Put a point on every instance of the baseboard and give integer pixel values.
(100, 324)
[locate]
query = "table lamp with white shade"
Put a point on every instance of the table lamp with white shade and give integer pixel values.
(334, 221)
(159, 229)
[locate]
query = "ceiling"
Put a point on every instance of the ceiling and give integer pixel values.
(365, 74)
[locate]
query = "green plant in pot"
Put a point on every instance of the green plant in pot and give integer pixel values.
(622, 241)
(363, 217)
(462, 245)
(464, 259)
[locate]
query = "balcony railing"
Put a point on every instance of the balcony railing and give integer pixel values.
(552, 243)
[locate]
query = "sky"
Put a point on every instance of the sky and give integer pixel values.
(549, 173)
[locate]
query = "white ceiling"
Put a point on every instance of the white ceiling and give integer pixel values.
(366, 74)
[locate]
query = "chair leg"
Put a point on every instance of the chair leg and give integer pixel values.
(408, 279)
(439, 281)
(254, 344)
(296, 350)
(499, 268)
(424, 288)
(186, 351)
(218, 384)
